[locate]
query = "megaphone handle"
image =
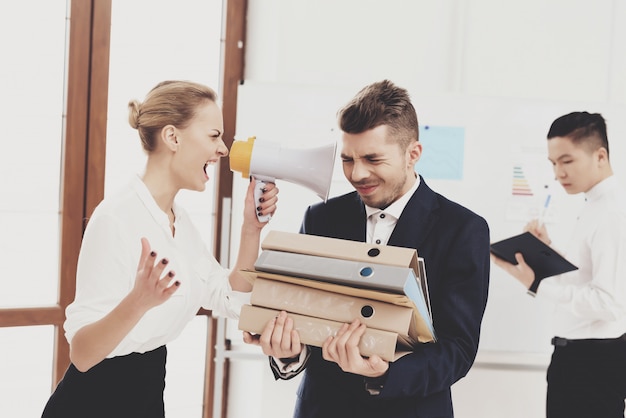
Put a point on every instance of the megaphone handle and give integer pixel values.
(258, 192)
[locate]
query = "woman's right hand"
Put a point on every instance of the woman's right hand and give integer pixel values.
(95, 341)
(152, 287)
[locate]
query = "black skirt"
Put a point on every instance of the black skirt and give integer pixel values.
(126, 386)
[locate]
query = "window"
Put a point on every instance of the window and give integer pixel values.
(152, 41)
(66, 102)
(32, 37)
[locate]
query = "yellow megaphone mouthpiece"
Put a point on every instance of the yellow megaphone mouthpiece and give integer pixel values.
(241, 155)
(267, 161)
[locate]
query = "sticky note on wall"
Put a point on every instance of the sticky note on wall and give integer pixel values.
(443, 152)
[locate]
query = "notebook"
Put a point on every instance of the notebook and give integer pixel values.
(544, 260)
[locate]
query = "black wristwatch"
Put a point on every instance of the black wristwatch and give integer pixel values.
(373, 385)
(532, 290)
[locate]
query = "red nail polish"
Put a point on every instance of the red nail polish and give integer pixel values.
(177, 283)
(165, 261)
(171, 274)
(152, 254)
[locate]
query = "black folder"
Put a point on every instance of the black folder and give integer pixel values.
(544, 261)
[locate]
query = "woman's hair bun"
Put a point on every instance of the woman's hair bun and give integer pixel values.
(133, 113)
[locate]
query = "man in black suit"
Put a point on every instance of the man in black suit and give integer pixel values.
(391, 205)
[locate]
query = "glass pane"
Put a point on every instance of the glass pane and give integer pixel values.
(152, 41)
(181, 41)
(32, 37)
(26, 370)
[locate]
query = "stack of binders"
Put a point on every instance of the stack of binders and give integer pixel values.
(325, 282)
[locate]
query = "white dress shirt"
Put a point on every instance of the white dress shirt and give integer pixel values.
(591, 301)
(107, 267)
(380, 223)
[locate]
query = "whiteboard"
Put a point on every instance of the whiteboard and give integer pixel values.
(499, 134)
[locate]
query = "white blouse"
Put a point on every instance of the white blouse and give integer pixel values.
(107, 267)
(591, 301)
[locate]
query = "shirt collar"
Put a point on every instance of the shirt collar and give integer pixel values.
(601, 189)
(396, 208)
(148, 201)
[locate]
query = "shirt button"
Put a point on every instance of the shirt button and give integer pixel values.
(377, 241)
(382, 216)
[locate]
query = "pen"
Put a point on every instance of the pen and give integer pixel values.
(544, 211)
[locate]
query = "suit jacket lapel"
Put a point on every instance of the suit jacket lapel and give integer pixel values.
(354, 226)
(417, 219)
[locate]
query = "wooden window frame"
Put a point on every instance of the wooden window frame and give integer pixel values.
(83, 164)
(232, 75)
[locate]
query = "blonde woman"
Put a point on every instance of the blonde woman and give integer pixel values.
(143, 270)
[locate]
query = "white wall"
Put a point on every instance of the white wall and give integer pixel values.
(503, 70)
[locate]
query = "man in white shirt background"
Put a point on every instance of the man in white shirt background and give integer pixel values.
(587, 373)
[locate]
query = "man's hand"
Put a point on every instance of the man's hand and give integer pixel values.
(521, 271)
(343, 349)
(539, 230)
(279, 339)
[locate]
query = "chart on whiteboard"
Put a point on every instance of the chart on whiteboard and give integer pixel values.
(533, 187)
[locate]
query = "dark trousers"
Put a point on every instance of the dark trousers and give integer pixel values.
(587, 379)
(122, 387)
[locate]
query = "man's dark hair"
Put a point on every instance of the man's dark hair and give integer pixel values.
(381, 103)
(582, 127)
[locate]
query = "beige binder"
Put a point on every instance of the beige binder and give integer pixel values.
(422, 324)
(314, 331)
(420, 328)
(338, 307)
(340, 248)
(365, 274)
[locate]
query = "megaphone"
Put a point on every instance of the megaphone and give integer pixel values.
(267, 161)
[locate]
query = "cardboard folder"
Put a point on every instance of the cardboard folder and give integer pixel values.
(338, 307)
(422, 321)
(368, 275)
(421, 328)
(314, 331)
(365, 274)
(340, 248)
(424, 284)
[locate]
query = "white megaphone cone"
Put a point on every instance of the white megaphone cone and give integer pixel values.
(267, 161)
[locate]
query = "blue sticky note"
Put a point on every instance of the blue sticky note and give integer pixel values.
(442, 155)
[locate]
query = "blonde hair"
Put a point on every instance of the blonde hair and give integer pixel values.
(168, 103)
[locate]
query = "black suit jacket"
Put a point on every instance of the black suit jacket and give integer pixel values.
(454, 243)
